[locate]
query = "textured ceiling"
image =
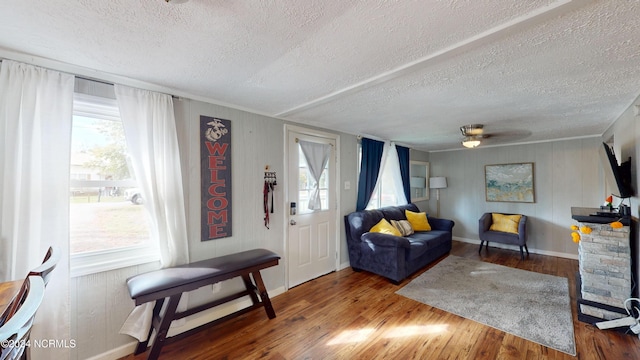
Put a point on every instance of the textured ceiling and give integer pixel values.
(408, 71)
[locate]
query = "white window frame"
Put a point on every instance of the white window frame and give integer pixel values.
(105, 260)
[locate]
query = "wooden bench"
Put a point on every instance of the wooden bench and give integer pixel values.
(171, 283)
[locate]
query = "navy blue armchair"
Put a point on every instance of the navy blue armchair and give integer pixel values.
(519, 239)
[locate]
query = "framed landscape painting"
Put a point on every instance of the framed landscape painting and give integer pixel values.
(509, 182)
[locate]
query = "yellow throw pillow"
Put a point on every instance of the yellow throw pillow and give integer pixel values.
(418, 221)
(384, 227)
(505, 223)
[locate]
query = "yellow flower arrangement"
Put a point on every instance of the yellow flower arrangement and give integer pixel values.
(575, 237)
(575, 234)
(616, 225)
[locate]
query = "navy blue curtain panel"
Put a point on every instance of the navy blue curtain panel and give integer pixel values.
(369, 169)
(403, 156)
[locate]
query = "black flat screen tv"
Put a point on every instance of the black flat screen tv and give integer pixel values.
(617, 176)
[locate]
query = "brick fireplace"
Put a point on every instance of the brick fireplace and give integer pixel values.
(605, 272)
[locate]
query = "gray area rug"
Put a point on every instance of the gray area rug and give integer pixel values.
(530, 305)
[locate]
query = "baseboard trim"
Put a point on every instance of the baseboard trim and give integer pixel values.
(116, 353)
(513, 247)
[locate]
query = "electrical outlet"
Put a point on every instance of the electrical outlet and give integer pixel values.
(215, 288)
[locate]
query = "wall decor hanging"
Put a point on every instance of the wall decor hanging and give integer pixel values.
(215, 173)
(269, 187)
(509, 182)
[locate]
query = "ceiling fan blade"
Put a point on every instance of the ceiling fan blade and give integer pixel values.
(506, 136)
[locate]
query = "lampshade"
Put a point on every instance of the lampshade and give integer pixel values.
(470, 142)
(439, 182)
(418, 182)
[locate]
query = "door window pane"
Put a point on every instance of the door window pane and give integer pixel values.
(306, 184)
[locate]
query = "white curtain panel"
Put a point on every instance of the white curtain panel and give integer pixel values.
(317, 156)
(36, 109)
(390, 163)
(152, 141)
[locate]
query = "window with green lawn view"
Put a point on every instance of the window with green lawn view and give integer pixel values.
(106, 211)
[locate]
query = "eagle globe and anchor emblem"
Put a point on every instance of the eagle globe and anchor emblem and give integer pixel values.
(215, 131)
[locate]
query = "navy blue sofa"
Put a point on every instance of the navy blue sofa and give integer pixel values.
(394, 257)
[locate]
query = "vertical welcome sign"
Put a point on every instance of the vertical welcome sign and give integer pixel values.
(215, 170)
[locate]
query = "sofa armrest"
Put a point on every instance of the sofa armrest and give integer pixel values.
(386, 240)
(522, 228)
(441, 224)
(484, 223)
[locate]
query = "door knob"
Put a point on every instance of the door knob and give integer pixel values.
(292, 222)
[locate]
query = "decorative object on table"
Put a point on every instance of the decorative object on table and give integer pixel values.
(509, 182)
(215, 172)
(438, 182)
(533, 306)
(270, 183)
(608, 202)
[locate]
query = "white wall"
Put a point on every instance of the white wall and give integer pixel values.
(566, 173)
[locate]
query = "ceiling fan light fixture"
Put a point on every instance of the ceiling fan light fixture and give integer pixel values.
(471, 130)
(470, 142)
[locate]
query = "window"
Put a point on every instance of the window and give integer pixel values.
(385, 192)
(109, 228)
(306, 185)
(388, 190)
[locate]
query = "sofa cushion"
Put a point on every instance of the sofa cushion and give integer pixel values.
(505, 223)
(404, 226)
(421, 242)
(384, 227)
(418, 221)
(503, 237)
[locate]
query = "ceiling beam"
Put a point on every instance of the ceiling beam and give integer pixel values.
(489, 36)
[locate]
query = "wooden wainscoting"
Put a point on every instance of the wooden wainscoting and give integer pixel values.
(349, 315)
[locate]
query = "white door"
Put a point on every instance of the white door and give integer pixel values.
(312, 234)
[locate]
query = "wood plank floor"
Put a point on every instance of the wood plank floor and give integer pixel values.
(349, 315)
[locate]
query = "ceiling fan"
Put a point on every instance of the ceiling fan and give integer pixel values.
(474, 134)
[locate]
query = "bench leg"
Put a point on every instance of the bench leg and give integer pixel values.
(250, 288)
(163, 328)
(142, 345)
(263, 295)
